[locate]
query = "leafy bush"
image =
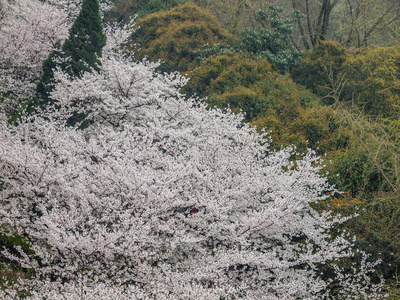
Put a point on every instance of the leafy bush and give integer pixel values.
(175, 36)
(274, 41)
(359, 174)
(376, 227)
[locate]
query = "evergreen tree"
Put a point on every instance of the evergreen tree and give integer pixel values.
(80, 52)
(86, 39)
(274, 41)
(46, 82)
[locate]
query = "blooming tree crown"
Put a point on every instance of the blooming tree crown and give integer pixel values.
(160, 197)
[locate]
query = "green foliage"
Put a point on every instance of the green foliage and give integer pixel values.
(85, 42)
(370, 163)
(274, 41)
(46, 82)
(394, 289)
(124, 10)
(357, 172)
(175, 36)
(80, 52)
(9, 242)
(10, 272)
(367, 171)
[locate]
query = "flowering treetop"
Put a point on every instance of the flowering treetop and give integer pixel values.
(161, 193)
(29, 30)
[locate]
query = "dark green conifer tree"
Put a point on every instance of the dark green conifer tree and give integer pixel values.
(86, 40)
(80, 52)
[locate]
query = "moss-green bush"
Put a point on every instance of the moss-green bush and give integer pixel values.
(175, 36)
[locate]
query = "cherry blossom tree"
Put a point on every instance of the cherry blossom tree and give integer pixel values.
(160, 198)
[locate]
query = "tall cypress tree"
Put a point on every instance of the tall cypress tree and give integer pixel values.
(80, 52)
(46, 82)
(85, 42)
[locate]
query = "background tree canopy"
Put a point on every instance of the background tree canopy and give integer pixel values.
(124, 10)
(274, 41)
(175, 36)
(349, 22)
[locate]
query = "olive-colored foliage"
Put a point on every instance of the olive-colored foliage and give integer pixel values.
(372, 80)
(234, 80)
(305, 127)
(124, 10)
(393, 289)
(269, 100)
(319, 67)
(319, 126)
(392, 130)
(175, 36)
(368, 172)
(372, 162)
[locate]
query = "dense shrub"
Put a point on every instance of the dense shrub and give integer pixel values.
(359, 173)
(376, 227)
(372, 80)
(175, 36)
